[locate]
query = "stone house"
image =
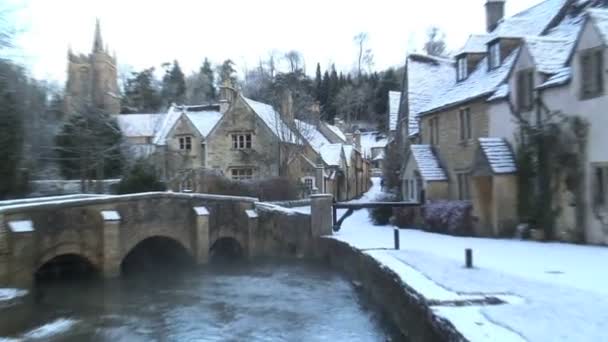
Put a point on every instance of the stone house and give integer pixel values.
(458, 119)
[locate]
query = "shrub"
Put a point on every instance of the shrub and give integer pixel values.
(449, 217)
(140, 178)
(270, 189)
(382, 216)
(405, 217)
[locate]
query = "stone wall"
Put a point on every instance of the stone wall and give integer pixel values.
(59, 187)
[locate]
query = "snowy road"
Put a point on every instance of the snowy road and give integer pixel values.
(554, 291)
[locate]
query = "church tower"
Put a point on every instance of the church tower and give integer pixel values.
(92, 80)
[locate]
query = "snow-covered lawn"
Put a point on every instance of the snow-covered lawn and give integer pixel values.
(10, 294)
(553, 291)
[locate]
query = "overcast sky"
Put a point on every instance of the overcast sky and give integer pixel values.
(149, 32)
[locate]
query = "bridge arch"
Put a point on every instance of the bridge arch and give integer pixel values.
(66, 260)
(156, 251)
(227, 247)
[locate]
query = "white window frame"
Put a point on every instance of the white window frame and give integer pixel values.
(185, 143)
(494, 59)
(463, 70)
(410, 190)
(242, 141)
(306, 180)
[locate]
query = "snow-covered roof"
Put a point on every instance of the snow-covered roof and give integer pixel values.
(204, 121)
(331, 154)
(337, 131)
(168, 122)
(475, 44)
(426, 75)
(370, 140)
(393, 109)
(273, 120)
(499, 155)
(139, 125)
(561, 77)
(501, 92)
(549, 54)
(483, 82)
(427, 162)
(312, 135)
(380, 156)
(532, 21)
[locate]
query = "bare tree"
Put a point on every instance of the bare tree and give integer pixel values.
(435, 44)
(364, 54)
(295, 61)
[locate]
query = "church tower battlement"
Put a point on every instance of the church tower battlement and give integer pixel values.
(92, 80)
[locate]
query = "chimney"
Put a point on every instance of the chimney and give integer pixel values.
(227, 96)
(357, 139)
(495, 11)
(349, 138)
(287, 106)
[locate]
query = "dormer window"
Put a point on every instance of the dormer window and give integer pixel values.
(463, 72)
(494, 59)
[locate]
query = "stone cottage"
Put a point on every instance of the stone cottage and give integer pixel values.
(459, 118)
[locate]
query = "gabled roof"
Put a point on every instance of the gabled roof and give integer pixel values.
(139, 125)
(169, 121)
(370, 140)
(312, 135)
(532, 21)
(426, 75)
(427, 162)
(348, 152)
(475, 44)
(549, 54)
(599, 18)
(561, 77)
(337, 131)
(204, 121)
(499, 155)
(394, 97)
(331, 154)
(273, 120)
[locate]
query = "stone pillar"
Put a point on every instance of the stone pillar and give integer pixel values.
(111, 243)
(201, 246)
(4, 251)
(252, 228)
(321, 215)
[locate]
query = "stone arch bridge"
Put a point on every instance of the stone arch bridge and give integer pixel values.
(104, 229)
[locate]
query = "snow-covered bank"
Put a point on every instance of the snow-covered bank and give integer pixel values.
(11, 294)
(553, 291)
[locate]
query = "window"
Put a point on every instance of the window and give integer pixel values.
(242, 174)
(463, 71)
(185, 143)
(600, 178)
(525, 90)
(434, 130)
(465, 123)
(592, 67)
(409, 191)
(463, 186)
(309, 184)
(241, 141)
(494, 59)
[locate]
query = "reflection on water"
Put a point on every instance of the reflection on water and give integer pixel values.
(227, 302)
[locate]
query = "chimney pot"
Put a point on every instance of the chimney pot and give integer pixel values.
(495, 11)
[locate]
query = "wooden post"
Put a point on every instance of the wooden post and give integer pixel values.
(396, 231)
(468, 256)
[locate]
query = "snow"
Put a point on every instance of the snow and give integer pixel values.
(337, 131)
(501, 92)
(204, 121)
(475, 44)
(331, 154)
(312, 135)
(532, 21)
(551, 291)
(561, 77)
(251, 213)
(167, 124)
(426, 76)
(394, 97)
(49, 330)
(201, 211)
(498, 154)
(348, 153)
(372, 140)
(277, 208)
(110, 215)
(549, 54)
(273, 120)
(8, 294)
(427, 162)
(23, 226)
(139, 125)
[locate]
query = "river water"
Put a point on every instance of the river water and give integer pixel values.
(266, 301)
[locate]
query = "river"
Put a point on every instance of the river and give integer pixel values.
(263, 301)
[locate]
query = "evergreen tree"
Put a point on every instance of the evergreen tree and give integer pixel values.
(209, 77)
(140, 178)
(89, 146)
(227, 73)
(141, 93)
(388, 82)
(318, 83)
(173, 85)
